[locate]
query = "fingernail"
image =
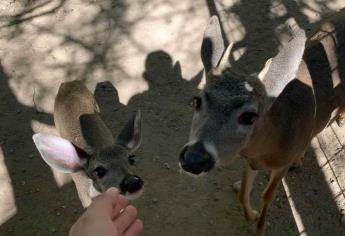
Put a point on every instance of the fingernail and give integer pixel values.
(113, 190)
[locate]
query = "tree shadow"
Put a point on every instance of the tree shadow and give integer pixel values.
(94, 38)
(26, 13)
(260, 29)
(262, 39)
(37, 196)
(41, 204)
(166, 120)
(212, 9)
(313, 200)
(263, 31)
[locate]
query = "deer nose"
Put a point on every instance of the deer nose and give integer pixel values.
(131, 184)
(195, 159)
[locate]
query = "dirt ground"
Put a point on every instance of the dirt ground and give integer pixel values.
(141, 54)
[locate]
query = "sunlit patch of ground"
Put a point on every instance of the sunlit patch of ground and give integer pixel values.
(150, 52)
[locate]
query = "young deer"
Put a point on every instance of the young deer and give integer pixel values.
(268, 122)
(86, 148)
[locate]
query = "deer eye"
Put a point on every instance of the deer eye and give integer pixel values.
(196, 103)
(100, 172)
(131, 159)
(247, 118)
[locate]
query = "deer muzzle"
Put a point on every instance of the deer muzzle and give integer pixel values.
(195, 159)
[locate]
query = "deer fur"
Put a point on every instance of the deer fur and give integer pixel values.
(300, 93)
(86, 144)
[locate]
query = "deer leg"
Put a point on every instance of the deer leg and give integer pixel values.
(267, 196)
(244, 194)
(298, 162)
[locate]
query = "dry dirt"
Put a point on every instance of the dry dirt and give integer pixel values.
(148, 51)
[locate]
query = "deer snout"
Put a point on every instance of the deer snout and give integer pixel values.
(131, 184)
(196, 159)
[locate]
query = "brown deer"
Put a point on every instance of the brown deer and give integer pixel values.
(268, 122)
(86, 148)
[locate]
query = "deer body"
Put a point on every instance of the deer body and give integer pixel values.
(72, 101)
(302, 110)
(86, 148)
(269, 123)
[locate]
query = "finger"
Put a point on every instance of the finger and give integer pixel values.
(122, 202)
(105, 203)
(125, 219)
(134, 229)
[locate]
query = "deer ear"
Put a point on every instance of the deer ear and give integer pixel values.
(94, 131)
(58, 153)
(212, 47)
(224, 61)
(284, 66)
(262, 74)
(130, 136)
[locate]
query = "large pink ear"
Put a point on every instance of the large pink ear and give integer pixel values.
(58, 153)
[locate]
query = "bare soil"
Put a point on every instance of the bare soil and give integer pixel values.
(173, 203)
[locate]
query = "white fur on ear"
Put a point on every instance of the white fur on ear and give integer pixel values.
(285, 65)
(225, 58)
(130, 136)
(264, 71)
(57, 152)
(212, 47)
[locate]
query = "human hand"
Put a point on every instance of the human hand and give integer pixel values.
(108, 215)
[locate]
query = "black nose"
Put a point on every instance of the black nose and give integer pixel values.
(131, 184)
(195, 159)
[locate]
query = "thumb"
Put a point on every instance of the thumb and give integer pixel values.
(105, 202)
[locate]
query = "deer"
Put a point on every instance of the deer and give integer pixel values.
(86, 148)
(267, 119)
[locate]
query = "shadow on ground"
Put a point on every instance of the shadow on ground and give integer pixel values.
(173, 204)
(40, 203)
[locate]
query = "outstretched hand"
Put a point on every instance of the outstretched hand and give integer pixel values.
(110, 215)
